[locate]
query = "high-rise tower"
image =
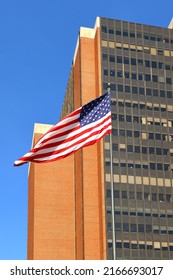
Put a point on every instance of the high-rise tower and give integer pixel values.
(70, 215)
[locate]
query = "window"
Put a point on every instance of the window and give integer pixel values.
(125, 33)
(142, 246)
(120, 88)
(144, 150)
(118, 226)
(127, 75)
(160, 52)
(133, 61)
(152, 165)
(154, 197)
(113, 102)
(108, 193)
(105, 57)
(139, 195)
(135, 119)
(112, 58)
(160, 65)
(132, 35)
(146, 37)
(114, 116)
(139, 35)
(134, 246)
(168, 197)
(166, 167)
(126, 245)
(148, 91)
(115, 131)
(158, 136)
(147, 77)
(104, 29)
(155, 92)
(158, 151)
(154, 64)
(118, 32)
(122, 132)
(116, 194)
(165, 151)
(133, 227)
(113, 87)
(131, 195)
(140, 77)
(129, 133)
(141, 229)
(128, 118)
(161, 197)
(142, 106)
(126, 60)
(134, 76)
(147, 63)
(128, 104)
(112, 73)
(162, 93)
(134, 90)
(149, 247)
(146, 196)
(167, 67)
(119, 59)
(115, 147)
(124, 194)
(127, 89)
(168, 81)
(130, 148)
(126, 228)
(111, 31)
(118, 245)
(151, 150)
(169, 94)
(136, 134)
(105, 72)
(141, 90)
(159, 166)
(154, 78)
(152, 38)
(140, 62)
(119, 74)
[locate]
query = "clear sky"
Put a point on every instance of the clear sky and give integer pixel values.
(37, 43)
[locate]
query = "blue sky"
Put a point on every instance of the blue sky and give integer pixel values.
(37, 43)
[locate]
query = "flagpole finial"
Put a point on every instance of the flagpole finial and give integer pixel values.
(109, 87)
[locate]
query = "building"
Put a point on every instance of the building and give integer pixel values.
(70, 215)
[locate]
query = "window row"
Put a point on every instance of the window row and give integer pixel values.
(142, 120)
(140, 77)
(138, 90)
(141, 149)
(140, 196)
(137, 134)
(120, 47)
(138, 35)
(140, 214)
(151, 165)
(139, 62)
(126, 227)
(142, 106)
(127, 245)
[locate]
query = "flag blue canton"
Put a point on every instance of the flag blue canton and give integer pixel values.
(95, 110)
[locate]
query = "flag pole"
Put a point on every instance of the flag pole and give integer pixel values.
(112, 191)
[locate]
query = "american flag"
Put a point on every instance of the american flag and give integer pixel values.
(83, 127)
